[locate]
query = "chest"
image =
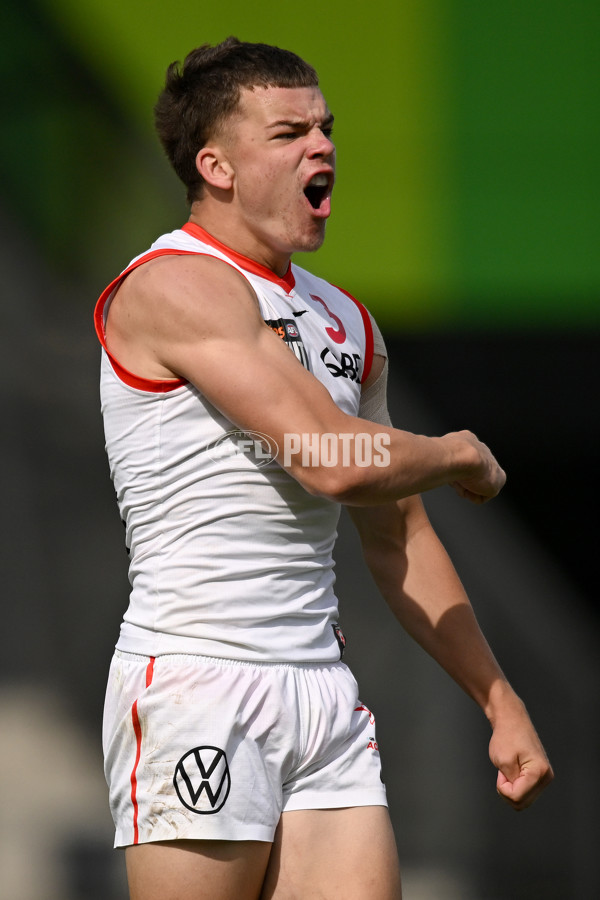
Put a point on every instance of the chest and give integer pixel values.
(324, 329)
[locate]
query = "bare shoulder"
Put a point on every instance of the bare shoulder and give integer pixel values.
(177, 291)
(176, 302)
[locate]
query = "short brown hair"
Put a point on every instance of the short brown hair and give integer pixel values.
(199, 95)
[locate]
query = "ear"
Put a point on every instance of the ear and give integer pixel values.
(214, 167)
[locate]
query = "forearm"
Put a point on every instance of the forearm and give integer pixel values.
(416, 577)
(408, 464)
(421, 587)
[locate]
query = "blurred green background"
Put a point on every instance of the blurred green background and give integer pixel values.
(466, 218)
(467, 133)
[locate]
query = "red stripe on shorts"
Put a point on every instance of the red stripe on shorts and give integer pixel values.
(137, 728)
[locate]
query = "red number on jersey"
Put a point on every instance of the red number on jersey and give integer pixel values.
(336, 334)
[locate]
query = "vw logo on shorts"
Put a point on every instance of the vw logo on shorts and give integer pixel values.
(202, 780)
(258, 447)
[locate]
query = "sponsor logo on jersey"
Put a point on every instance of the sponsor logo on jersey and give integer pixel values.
(288, 331)
(202, 780)
(346, 366)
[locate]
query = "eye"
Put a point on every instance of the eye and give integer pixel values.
(327, 131)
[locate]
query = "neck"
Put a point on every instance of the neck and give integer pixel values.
(234, 235)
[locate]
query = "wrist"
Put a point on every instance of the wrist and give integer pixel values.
(502, 702)
(463, 458)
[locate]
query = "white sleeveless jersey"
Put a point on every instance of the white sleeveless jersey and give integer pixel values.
(229, 556)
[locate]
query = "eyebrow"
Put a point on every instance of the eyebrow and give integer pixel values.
(327, 122)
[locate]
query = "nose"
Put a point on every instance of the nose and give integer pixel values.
(321, 144)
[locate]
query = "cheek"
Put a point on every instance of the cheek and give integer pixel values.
(272, 192)
(263, 179)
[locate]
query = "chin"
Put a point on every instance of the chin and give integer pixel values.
(311, 242)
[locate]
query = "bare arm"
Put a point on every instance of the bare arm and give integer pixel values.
(197, 318)
(417, 579)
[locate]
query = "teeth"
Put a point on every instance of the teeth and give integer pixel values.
(319, 180)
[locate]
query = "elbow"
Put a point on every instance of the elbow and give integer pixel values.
(340, 484)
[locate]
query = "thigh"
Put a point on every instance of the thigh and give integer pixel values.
(196, 870)
(195, 750)
(333, 853)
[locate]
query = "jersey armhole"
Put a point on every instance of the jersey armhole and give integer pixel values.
(152, 385)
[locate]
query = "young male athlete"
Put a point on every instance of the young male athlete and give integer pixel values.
(244, 401)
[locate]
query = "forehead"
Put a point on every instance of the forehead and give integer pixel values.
(267, 106)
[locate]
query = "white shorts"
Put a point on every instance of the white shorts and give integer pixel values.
(197, 747)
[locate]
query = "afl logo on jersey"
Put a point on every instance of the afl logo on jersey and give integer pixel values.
(202, 780)
(256, 446)
(288, 331)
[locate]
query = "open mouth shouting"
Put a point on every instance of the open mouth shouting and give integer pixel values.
(318, 193)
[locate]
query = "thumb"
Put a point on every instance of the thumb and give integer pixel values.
(504, 785)
(510, 778)
(520, 792)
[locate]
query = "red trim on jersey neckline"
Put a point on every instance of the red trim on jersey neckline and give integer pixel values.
(165, 385)
(368, 335)
(137, 728)
(288, 282)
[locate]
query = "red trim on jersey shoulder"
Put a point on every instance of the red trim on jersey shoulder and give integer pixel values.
(137, 728)
(368, 334)
(154, 385)
(288, 282)
(164, 385)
